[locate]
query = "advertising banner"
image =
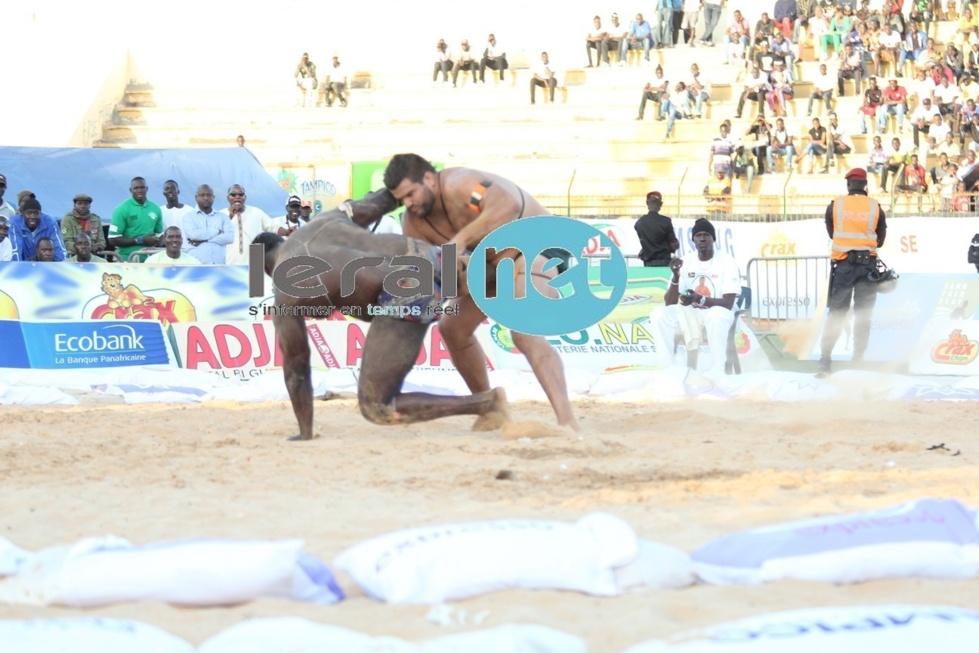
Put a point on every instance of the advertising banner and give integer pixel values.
(83, 344)
(324, 187)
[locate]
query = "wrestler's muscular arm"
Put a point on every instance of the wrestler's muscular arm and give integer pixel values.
(494, 207)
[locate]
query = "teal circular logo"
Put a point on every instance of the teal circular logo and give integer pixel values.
(585, 293)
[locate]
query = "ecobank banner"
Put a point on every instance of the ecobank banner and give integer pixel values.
(82, 344)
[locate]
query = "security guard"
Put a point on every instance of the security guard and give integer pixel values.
(857, 226)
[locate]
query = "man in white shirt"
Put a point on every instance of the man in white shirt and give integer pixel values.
(543, 77)
(946, 96)
(699, 88)
(173, 241)
(822, 89)
(208, 232)
(494, 58)
(173, 211)
(6, 249)
(288, 223)
(755, 86)
(922, 87)
(701, 295)
(246, 223)
(336, 83)
(597, 40)
(6, 210)
(838, 141)
(618, 39)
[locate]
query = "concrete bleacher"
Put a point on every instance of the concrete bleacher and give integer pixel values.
(587, 144)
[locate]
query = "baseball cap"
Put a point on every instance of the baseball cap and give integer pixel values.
(294, 199)
(3, 179)
(856, 173)
(306, 204)
(655, 194)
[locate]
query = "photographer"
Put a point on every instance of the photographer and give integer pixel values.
(762, 131)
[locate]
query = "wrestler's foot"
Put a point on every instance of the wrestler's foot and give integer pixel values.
(571, 424)
(498, 415)
(297, 438)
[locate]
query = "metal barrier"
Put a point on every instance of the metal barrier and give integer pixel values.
(784, 288)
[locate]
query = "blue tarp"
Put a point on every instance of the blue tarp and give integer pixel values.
(56, 174)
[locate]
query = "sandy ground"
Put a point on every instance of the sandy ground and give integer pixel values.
(679, 473)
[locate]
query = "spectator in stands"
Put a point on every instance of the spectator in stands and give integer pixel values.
(464, 61)
(45, 251)
(618, 39)
(858, 39)
(782, 51)
(877, 159)
(136, 223)
(6, 210)
(923, 86)
(691, 11)
(781, 90)
(173, 254)
(305, 76)
(890, 45)
(967, 24)
(961, 201)
(288, 223)
(949, 147)
(954, 61)
(971, 141)
(894, 103)
(921, 15)
(718, 193)
(850, 67)
(81, 245)
(927, 57)
(874, 94)
(967, 164)
(28, 227)
(657, 239)
(81, 220)
(742, 164)
(544, 77)
(764, 59)
(818, 27)
(839, 28)
(972, 61)
(817, 145)
(738, 39)
(246, 223)
(946, 95)
(654, 91)
(597, 40)
(712, 16)
(822, 89)
(240, 140)
(699, 88)
(963, 119)
(968, 88)
(306, 211)
(838, 141)
(897, 157)
(494, 58)
(174, 211)
(765, 30)
(913, 44)
(336, 84)
(641, 36)
(676, 105)
(868, 116)
(720, 152)
(209, 233)
(938, 171)
(914, 180)
(786, 12)
(443, 62)
(6, 249)
(780, 145)
(664, 24)
(921, 119)
(755, 87)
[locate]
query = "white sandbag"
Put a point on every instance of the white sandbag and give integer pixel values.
(657, 565)
(87, 635)
(12, 558)
(294, 635)
(433, 564)
(194, 572)
(928, 538)
(34, 396)
(854, 629)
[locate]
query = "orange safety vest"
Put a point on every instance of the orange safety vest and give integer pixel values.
(854, 225)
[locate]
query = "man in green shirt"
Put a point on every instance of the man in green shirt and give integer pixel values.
(136, 223)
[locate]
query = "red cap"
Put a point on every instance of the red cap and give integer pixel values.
(655, 194)
(856, 173)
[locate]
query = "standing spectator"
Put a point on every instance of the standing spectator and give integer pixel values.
(914, 180)
(782, 90)
(286, 224)
(246, 223)
(654, 91)
(699, 88)
(913, 44)
(543, 77)
(305, 76)
(81, 245)
(691, 10)
(494, 58)
(172, 254)
(6, 249)
(877, 160)
(618, 39)
(755, 87)
(712, 16)
(81, 220)
(443, 62)
(336, 83)
(6, 210)
(721, 149)
(786, 13)
(838, 141)
(29, 227)
(306, 211)
(897, 156)
(974, 251)
(664, 23)
(818, 28)
(817, 144)
(857, 226)
(895, 98)
(657, 239)
(597, 40)
(136, 223)
(174, 211)
(780, 145)
(822, 89)
(464, 61)
(208, 232)
(678, 21)
(761, 131)
(641, 36)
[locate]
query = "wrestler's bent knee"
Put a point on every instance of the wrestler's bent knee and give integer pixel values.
(378, 413)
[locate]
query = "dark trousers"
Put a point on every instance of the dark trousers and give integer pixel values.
(335, 89)
(657, 263)
(445, 67)
(647, 96)
(758, 96)
(825, 96)
(849, 283)
(897, 169)
(549, 84)
(498, 64)
(856, 75)
(468, 65)
(677, 22)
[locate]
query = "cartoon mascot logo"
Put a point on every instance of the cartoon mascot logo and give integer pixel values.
(128, 302)
(957, 350)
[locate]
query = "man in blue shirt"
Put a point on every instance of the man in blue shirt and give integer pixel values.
(207, 232)
(641, 35)
(29, 226)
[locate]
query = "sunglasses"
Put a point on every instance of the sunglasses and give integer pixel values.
(236, 194)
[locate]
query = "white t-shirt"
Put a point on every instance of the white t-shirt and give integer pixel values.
(161, 258)
(921, 111)
(544, 70)
(283, 221)
(922, 88)
(691, 6)
(6, 250)
(939, 131)
(824, 83)
(946, 94)
(702, 80)
(715, 277)
(175, 217)
(891, 40)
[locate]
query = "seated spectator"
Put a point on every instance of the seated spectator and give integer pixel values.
(786, 12)
(897, 157)
(782, 51)
(851, 67)
(764, 59)
(494, 58)
(838, 141)
(699, 89)
(964, 119)
(597, 40)
(818, 26)
(336, 83)
(961, 202)
(967, 24)
(972, 60)
(81, 220)
(954, 61)
(81, 245)
(641, 36)
(738, 37)
(305, 75)
(677, 105)
(742, 164)
(839, 28)
(920, 88)
(921, 119)
(968, 89)
(946, 95)
(443, 62)
(781, 90)
(894, 98)
(877, 159)
(967, 164)
(890, 45)
(721, 149)
(45, 251)
(464, 61)
(764, 31)
(6, 249)
(654, 91)
(928, 57)
(28, 227)
(938, 171)
(780, 145)
(913, 44)
(971, 141)
(762, 132)
(817, 145)
(939, 129)
(618, 39)
(173, 254)
(868, 116)
(208, 232)
(921, 14)
(755, 88)
(543, 77)
(914, 180)
(822, 89)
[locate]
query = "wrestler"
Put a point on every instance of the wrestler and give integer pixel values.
(392, 343)
(461, 206)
